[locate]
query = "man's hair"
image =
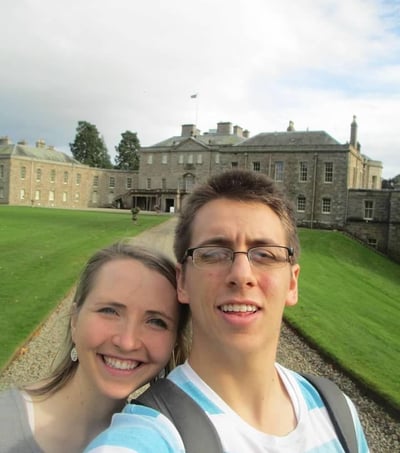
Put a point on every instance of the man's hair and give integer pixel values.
(153, 260)
(240, 185)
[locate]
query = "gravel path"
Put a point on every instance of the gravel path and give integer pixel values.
(35, 358)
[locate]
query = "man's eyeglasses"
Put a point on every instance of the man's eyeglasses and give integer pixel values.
(267, 256)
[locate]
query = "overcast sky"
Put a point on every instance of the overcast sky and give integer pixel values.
(133, 65)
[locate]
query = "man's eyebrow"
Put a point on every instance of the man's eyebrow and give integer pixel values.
(217, 240)
(225, 242)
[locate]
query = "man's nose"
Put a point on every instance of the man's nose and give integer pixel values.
(241, 271)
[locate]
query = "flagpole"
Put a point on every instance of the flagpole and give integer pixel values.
(196, 97)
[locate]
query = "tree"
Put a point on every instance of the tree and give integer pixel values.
(89, 148)
(127, 157)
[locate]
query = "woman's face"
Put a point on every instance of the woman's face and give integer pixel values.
(125, 330)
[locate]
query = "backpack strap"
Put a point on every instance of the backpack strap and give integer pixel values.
(338, 410)
(196, 429)
(199, 434)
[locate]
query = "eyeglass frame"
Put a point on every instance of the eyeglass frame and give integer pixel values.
(190, 251)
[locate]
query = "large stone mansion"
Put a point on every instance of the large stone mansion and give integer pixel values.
(332, 185)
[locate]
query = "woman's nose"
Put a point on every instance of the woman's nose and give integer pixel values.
(127, 338)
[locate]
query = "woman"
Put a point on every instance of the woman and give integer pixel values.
(125, 322)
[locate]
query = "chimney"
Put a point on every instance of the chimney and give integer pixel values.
(224, 128)
(188, 130)
(238, 131)
(5, 140)
(353, 133)
(246, 133)
(40, 143)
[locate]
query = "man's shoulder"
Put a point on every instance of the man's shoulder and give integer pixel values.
(138, 429)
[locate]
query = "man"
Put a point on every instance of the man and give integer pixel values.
(237, 248)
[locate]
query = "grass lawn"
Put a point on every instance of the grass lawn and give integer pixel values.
(349, 296)
(349, 306)
(42, 252)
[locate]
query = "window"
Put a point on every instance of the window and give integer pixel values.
(38, 174)
(65, 177)
(188, 183)
(51, 195)
(22, 193)
(199, 159)
(234, 164)
(278, 176)
(111, 182)
(96, 181)
(190, 159)
(180, 159)
(1, 171)
(1, 193)
(163, 183)
(77, 196)
(164, 159)
(149, 183)
(374, 182)
(52, 175)
(37, 195)
(129, 183)
(150, 159)
(303, 171)
(368, 209)
(326, 205)
(372, 242)
(65, 196)
(301, 203)
(256, 166)
(94, 197)
(217, 158)
(328, 171)
(23, 172)
(110, 197)
(78, 179)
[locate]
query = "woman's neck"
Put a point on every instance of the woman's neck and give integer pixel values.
(69, 419)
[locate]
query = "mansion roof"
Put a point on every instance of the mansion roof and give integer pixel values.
(292, 138)
(205, 139)
(36, 152)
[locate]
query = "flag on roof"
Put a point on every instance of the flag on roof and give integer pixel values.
(193, 96)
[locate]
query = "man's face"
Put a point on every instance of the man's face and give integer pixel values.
(238, 307)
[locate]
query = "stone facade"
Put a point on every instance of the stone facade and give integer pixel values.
(332, 185)
(42, 176)
(374, 218)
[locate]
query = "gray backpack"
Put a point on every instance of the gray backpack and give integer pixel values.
(199, 434)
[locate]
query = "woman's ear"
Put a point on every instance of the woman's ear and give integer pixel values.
(73, 320)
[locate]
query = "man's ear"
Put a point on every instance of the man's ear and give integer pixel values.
(293, 291)
(180, 282)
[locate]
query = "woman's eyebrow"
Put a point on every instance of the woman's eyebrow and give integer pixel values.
(111, 303)
(160, 313)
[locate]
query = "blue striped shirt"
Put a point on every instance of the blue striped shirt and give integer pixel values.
(139, 429)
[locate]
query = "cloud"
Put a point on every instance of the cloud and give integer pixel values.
(257, 63)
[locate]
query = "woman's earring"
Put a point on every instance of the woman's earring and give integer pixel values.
(74, 354)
